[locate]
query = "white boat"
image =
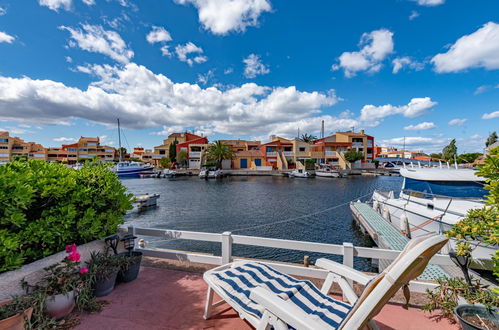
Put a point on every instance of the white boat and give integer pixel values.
(432, 200)
(211, 174)
(168, 173)
(327, 172)
(300, 174)
(129, 169)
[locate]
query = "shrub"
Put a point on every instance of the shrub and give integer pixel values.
(352, 156)
(44, 205)
(309, 164)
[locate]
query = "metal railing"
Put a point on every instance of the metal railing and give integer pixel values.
(288, 153)
(271, 153)
(227, 240)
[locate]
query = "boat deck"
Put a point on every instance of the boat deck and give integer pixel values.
(386, 236)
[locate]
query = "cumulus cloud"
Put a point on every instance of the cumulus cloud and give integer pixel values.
(428, 144)
(429, 3)
(416, 107)
(374, 48)
(4, 37)
(93, 38)
(55, 5)
(65, 139)
(457, 121)
(414, 14)
(479, 49)
(224, 16)
(183, 52)
(491, 115)
(3, 11)
(143, 99)
(406, 62)
(254, 66)
(421, 126)
(159, 34)
(89, 2)
(205, 78)
(484, 88)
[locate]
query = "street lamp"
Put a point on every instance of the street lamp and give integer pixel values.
(129, 242)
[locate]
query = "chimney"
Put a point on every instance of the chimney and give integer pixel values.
(361, 131)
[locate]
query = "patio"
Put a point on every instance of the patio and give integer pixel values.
(174, 299)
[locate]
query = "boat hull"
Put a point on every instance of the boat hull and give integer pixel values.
(327, 174)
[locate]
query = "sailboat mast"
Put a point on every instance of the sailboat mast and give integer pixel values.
(119, 141)
(323, 143)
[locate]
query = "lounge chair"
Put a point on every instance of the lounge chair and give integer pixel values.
(266, 297)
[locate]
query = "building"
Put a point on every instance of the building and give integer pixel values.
(247, 154)
(278, 153)
(360, 142)
(419, 155)
(85, 148)
(330, 151)
(193, 144)
(11, 146)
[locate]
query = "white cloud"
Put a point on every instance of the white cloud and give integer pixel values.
(65, 139)
(374, 48)
(89, 2)
(158, 34)
(205, 78)
(55, 5)
(401, 62)
(477, 50)
(484, 88)
(3, 11)
(416, 107)
(228, 70)
(93, 38)
(189, 48)
(4, 37)
(223, 16)
(415, 143)
(414, 14)
(491, 115)
(457, 122)
(68, 59)
(421, 126)
(254, 66)
(143, 99)
(429, 3)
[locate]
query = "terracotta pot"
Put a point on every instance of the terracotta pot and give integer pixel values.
(60, 305)
(15, 322)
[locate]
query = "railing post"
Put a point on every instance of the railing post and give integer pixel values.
(226, 247)
(348, 257)
(131, 230)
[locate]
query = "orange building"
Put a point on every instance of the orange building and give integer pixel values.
(11, 146)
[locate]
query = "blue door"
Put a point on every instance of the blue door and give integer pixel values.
(244, 163)
(258, 162)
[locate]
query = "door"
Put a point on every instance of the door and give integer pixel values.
(258, 162)
(243, 163)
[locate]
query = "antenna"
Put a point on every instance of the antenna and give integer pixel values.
(322, 130)
(404, 144)
(119, 142)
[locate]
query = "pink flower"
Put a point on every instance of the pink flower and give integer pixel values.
(74, 256)
(71, 248)
(84, 270)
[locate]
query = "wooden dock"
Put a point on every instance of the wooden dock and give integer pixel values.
(387, 236)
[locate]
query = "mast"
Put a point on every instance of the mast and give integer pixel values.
(323, 142)
(119, 142)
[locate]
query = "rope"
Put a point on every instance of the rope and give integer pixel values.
(423, 224)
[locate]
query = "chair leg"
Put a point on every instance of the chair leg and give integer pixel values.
(209, 304)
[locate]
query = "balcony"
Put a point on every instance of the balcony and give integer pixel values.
(369, 143)
(331, 153)
(194, 154)
(357, 145)
(369, 155)
(288, 153)
(271, 153)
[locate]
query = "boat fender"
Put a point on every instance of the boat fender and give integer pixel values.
(376, 206)
(404, 225)
(142, 243)
(386, 214)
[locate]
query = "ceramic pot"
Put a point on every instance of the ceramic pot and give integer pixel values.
(15, 322)
(133, 270)
(463, 311)
(60, 305)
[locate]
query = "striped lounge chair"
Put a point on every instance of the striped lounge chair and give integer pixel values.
(267, 298)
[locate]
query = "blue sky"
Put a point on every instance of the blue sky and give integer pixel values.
(426, 70)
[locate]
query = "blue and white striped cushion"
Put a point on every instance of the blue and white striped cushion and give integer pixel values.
(237, 281)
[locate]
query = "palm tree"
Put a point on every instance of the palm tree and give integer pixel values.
(308, 138)
(219, 151)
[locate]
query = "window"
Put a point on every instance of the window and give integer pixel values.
(162, 152)
(4, 155)
(4, 140)
(302, 149)
(4, 147)
(71, 149)
(70, 156)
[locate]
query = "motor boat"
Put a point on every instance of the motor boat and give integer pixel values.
(211, 173)
(327, 172)
(130, 169)
(432, 200)
(168, 173)
(300, 174)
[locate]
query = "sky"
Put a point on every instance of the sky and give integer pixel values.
(416, 71)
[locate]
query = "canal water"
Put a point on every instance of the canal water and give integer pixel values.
(314, 210)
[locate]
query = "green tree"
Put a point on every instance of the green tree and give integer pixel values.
(352, 156)
(491, 139)
(20, 158)
(450, 150)
(468, 158)
(172, 151)
(219, 151)
(436, 156)
(165, 162)
(182, 158)
(308, 138)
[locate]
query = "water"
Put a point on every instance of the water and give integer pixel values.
(259, 206)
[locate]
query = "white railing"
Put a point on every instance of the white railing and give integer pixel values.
(369, 155)
(369, 143)
(357, 145)
(330, 153)
(271, 153)
(288, 153)
(194, 154)
(227, 239)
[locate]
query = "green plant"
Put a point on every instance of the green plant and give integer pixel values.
(352, 156)
(445, 296)
(491, 139)
(468, 158)
(309, 164)
(17, 305)
(182, 157)
(125, 261)
(102, 265)
(219, 151)
(308, 138)
(165, 162)
(376, 163)
(172, 151)
(44, 205)
(450, 150)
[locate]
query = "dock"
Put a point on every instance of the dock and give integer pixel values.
(387, 236)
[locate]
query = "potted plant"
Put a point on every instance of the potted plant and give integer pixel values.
(103, 269)
(60, 283)
(15, 313)
(129, 261)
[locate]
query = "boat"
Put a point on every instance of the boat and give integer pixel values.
(211, 173)
(327, 172)
(300, 174)
(168, 173)
(432, 200)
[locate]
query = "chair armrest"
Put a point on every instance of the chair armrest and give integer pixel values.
(343, 271)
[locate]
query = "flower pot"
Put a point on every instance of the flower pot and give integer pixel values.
(465, 312)
(104, 286)
(60, 305)
(15, 322)
(133, 270)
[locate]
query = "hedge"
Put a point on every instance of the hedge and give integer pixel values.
(44, 206)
